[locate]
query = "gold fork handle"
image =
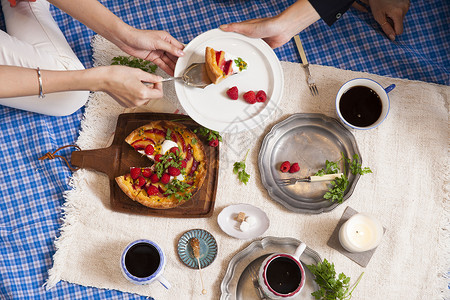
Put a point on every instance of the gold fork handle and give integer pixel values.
(300, 49)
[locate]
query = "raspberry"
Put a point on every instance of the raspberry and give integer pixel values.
(152, 190)
(214, 143)
(165, 178)
(140, 181)
(147, 172)
(261, 96)
(158, 157)
(250, 97)
(285, 166)
(233, 93)
(135, 172)
(174, 150)
(154, 178)
(173, 171)
(294, 168)
(149, 150)
(183, 164)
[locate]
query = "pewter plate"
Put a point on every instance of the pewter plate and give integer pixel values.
(309, 140)
(237, 284)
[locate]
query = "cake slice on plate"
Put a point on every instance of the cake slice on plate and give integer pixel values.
(219, 65)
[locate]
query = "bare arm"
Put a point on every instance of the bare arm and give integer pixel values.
(278, 30)
(157, 46)
(124, 84)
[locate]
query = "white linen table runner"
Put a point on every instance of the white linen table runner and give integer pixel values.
(408, 192)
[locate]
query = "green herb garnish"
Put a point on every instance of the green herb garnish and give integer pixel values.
(167, 160)
(168, 134)
(337, 189)
(208, 133)
(355, 165)
(340, 184)
(194, 141)
(134, 63)
(330, 287)
(242, 65)
(175, 186)
(239, 169)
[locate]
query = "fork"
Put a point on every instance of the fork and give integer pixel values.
(254, 276)
(311, 83)
(326, 177)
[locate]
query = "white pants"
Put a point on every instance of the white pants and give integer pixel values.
(33, 39)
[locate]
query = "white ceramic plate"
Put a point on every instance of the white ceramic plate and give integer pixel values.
(211, 107)
(230, 226)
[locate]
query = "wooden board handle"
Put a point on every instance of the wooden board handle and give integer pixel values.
(101, 160)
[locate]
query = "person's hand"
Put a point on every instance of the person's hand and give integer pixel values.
(278, 30)
(269, 29)
(126, 85)
(158, 47)
(389, 14)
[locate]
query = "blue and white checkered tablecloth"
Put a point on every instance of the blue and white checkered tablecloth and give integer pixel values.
(31, 191)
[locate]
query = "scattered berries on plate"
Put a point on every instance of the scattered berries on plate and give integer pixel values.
(165, 178)
(294, 168)
(233, 93)
(154, 178)
(158, 157)
(250, 97)
(173, 171)
(183, 164)
(152, 190)
(214, 143)
(135, 172)
(261, 96)
(149, 150)
(285, 166)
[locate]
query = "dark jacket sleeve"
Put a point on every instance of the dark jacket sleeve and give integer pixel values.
(331, 10)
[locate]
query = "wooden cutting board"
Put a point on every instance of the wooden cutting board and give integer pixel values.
(117, 159)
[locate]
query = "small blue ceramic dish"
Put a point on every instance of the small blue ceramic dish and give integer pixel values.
(208, 248)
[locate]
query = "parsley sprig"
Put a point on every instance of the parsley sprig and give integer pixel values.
(239, 169)
(331, 287)
(208, 133)
(134, 63)
(340, 184)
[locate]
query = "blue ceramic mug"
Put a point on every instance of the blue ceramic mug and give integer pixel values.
(143, 262)
(363, 103)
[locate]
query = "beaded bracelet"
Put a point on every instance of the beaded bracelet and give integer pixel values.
(41, 92)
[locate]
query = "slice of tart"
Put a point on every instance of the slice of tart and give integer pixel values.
(219, 65)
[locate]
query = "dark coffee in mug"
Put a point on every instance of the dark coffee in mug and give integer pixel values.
(360, 106)
(142, 260)
(283, 275)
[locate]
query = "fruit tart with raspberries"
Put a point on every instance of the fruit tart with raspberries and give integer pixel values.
(179, 168)
(220, 65)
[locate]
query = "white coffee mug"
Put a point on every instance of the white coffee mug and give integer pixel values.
(375, 87)
(281, 275)
(143, 262)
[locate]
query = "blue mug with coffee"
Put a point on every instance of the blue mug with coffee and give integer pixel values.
(362, 103)
(143, 262)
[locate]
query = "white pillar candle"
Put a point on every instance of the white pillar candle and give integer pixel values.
(360, 233)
